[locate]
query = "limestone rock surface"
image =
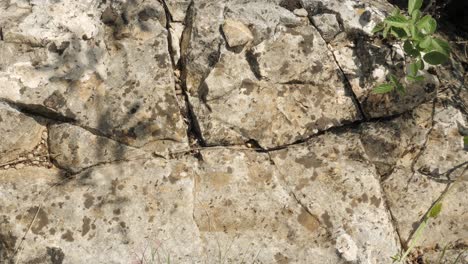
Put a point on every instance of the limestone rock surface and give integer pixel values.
(222, 131)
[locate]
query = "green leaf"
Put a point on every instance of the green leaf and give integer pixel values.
(415, 15)
(440, 46)
(420, 64)
(427, 24)
(414, 32)
(399, 21)
(435, 57)
(398, 86)
(435, 210)
(465, 141)
(395, 11)
(426, 42)
(414, 5)
(400, 89)
(379, 27)
(385, 32)
(398, 32)
(393, 79)
(419, 78)
(409, 49)
(383, 88)
(413, 69)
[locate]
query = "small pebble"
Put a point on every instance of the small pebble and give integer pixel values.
(19, 166)
(7, 167)
(44, 135)
(35, 162)
(300, 12)
(30, 156)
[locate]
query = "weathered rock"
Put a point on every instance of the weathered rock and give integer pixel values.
(283, 90)
(20, 133)
(334, 167)
(22, 192)
(395, 141)
(301, 12)
(422, 182)
(236, 33)
(178, 9)
(444, 155)
(203, 40)
(364, 60)
(111, 214)
(176, 30)
(328, 25)
(243, 206)
(75, 148)
(110, 75)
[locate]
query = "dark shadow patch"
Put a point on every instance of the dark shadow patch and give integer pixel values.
(56, 255)
(253, 64)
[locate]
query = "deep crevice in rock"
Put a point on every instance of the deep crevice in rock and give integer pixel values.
(346, 81)
(193, 131)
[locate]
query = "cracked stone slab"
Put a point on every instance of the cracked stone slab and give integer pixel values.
(178, 9)
(242, 205)
(334, 167)
(20, 134)
(418, 181)
(283, 89)
(396, 141)
(202, 42)
(444, 154)
(75, 148)
(90, 66)
(365, 61)
(116, 213)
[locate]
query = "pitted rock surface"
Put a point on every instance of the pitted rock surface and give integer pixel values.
(178, 131)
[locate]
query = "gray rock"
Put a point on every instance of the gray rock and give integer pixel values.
(20, 133)
(111, 214)
(413, 187)
(301, 12)
(296, 95)
(75, 148)
(236, 33)
(334, 167)
(243, 206)
(328, 26)
(178, 9)
(105, 74)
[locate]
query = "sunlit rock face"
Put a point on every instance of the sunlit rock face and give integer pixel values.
(235, 131)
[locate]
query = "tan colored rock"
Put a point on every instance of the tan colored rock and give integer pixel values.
(334, 167)
(243, 206)
(114, 214)
(328, 25)
(107, 75)
(236, 33)
(20, 133)
(74, 148)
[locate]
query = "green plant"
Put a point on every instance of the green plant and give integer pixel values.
(433, 213)
(416, 31)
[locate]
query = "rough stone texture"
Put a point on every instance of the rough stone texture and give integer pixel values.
(328, 25)
(236, 33)
(178, 9)
(112, 214)
(75, 148)
(83, 62)
(284, 89)
(364, 60)
(242, 203)
(20, 134)
(334, 167)
(291, 159)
